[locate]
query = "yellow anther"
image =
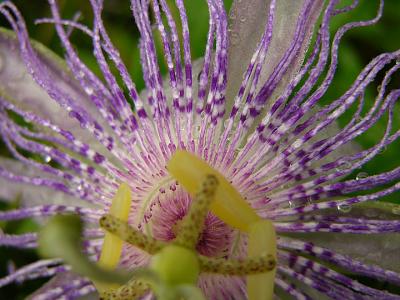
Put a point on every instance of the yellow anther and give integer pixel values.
(112, 244)
(262, 241)
(229, 205)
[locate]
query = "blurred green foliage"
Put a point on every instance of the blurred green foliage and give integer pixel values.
(358, 47)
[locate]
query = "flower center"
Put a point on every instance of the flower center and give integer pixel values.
(210, 191)
(215, 239)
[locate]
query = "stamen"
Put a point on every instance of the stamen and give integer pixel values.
(262, 240)
(252, 265)
(229, 205)
(112, 244)
(192, 225)
(129, 234)
(131, 290)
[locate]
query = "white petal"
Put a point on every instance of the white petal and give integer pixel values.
(247, 24)
(378, 249)
(18, 87)
(31, 195)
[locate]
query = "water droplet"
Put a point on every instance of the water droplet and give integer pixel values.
(361, 175)
(89, 91)
(232, 14)
(79, 187)
(345, 165)
(344, 207)
(371, 213)
(1, 62)
(383, 149)
(396, 210)
(235, 38)
(11, 267)
(226, 123)
(243, 19)
(47, 158)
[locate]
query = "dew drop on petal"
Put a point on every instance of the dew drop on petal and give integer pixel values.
(361, 175)
(1, 62)
(345, 208)
(235, 38)
(345, 165)
(47, 158)
(396, 210)
(371, 213)
(232, 14)
(226, 123)
(79, 187)
(383, 149)
(11, 267)
(89, 91)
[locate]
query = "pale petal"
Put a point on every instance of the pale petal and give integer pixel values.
(30, 195)
(247, 24)
(378, 249)
(18, 87)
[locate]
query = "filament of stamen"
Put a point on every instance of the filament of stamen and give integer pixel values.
(247, 266)
(131, 290)
(262, 241)
(112, 244)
